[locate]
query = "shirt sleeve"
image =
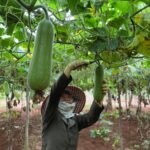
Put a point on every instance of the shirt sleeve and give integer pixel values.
(89, 118)
(51, 103)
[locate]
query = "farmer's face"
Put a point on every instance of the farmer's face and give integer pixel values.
(66, 98)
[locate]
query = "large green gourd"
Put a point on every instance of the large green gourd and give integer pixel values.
(99, 75)
(40, 65)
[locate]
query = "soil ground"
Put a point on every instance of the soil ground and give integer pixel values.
(12, 132)
(12, 135)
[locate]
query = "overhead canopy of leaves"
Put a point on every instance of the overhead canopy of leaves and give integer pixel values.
(84, 29)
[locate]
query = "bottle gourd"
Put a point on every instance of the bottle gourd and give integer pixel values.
(40, 65)
(99, 75)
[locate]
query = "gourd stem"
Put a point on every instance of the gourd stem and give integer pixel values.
(33, 3)
(27, 6)
(23, 4)
(44, 8)
(131, 17)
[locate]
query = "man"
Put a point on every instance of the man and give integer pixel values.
(61, 125)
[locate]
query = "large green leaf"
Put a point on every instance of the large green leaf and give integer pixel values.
(101, 32)
(123, 33)
(123, 6)
(10, 28)
(144, 48)
(91, 21)
(6, 41)
(19, 32)
(97, 45)
(116, 22)
(76, 7)
(112, 44)
(98, 4)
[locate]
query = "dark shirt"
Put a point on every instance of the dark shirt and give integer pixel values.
(59, 133)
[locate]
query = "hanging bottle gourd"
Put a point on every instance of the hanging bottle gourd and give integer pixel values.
(40, 65)
(98, 82)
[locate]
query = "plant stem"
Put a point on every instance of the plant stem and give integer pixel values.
(120, 116)
(44, 9)
(26, 146)
(23, 4)
(27, 6)
(131, 17)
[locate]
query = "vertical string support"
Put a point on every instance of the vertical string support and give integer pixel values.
(26, 145)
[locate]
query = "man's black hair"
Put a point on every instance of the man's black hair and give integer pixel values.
(66, 91)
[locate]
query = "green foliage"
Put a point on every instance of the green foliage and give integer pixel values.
(116, 141)
(76, 7)
(104, 129)
(84, 30)
(114, 114)
(13, 114)
(103, 132)
(146, 144)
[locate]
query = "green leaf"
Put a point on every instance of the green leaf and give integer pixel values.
(123, 32)
(5, 41)
(11, 19)
(112, 44)
(19, 34)
(101, 44)
(112, 57)
(53, 4)
(8, 56)
(61, 28)
(101, 32)
(73, 5)
(13, 13)
(3, 2)
(98, 4)
(10, 29)
(144, 46)
(123, 6)
(116, 22)
(62, 32)
(76, 7)
(145, 1)
(91, 21)
(97, 45)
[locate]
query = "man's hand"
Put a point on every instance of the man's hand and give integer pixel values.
(104, 87)
(75, 65)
